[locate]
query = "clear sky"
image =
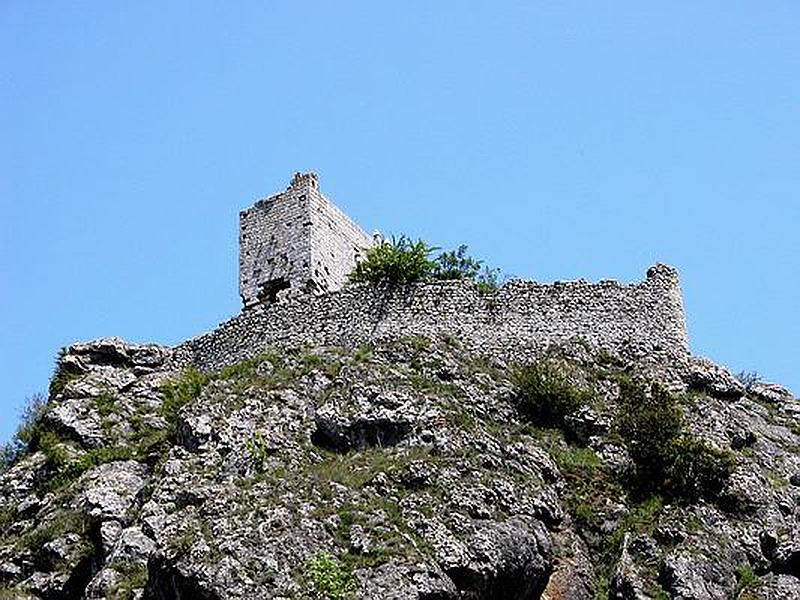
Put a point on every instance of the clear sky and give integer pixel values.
(559, 139)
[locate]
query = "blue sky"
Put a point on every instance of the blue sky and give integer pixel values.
(558, 139)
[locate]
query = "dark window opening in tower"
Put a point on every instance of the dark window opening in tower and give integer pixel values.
(269, 290)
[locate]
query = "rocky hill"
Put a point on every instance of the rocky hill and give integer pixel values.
(406, 469)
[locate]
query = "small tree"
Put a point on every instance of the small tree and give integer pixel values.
(397, 261)
(326, 578)
(27, 432)
(695, 469)
(456, 264)
(648, 423)
(547, 392)
(666, 457)
(748, 378)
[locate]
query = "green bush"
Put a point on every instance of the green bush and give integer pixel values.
(27, 432)
(402, 261)
(66, 463)
(695, 469)
(54, 450)
(62, 375)
(55, 526)
(398, 261)
(180, 391)
(668, 459)
(546, 392)
(13, 594)
(747, 582)
(456, 264)
(133, 576)
(260, 451)
(327, 579)
(648, 422)
(488, 280)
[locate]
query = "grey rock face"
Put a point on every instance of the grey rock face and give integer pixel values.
(109, 491)
(776, 587)
(77, 419)
(116, 353)
(364, 417)
(783, 551)
(714, 379)
(510, 559)
(771, 393)
(629, 581)
(395, 581)
(573, 574)
(694, 578)
(586, 423)
(403, 470)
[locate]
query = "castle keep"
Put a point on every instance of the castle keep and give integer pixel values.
(296, 242)
(297, 250)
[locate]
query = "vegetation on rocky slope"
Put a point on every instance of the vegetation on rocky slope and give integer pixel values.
(405, 469)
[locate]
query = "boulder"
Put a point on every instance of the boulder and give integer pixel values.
(395, 580)
(585, 423)
(770, 393)
(508, 559)
(694, 577)
(366, 418)
(713, 379)
(109, 491)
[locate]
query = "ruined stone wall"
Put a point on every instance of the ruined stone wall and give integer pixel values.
(519, 319)
(296, 242)
(274, 244)
(336, 243)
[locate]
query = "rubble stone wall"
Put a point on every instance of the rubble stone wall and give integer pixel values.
(514, 321)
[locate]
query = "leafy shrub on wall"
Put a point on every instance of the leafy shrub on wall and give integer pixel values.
(397, 261)
(401, 260)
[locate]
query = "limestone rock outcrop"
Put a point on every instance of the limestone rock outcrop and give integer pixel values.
(403, 469)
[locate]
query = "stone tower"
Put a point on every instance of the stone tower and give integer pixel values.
(297, 241)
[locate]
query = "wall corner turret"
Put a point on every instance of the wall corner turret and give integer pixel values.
(666, 280)
(663, 272)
